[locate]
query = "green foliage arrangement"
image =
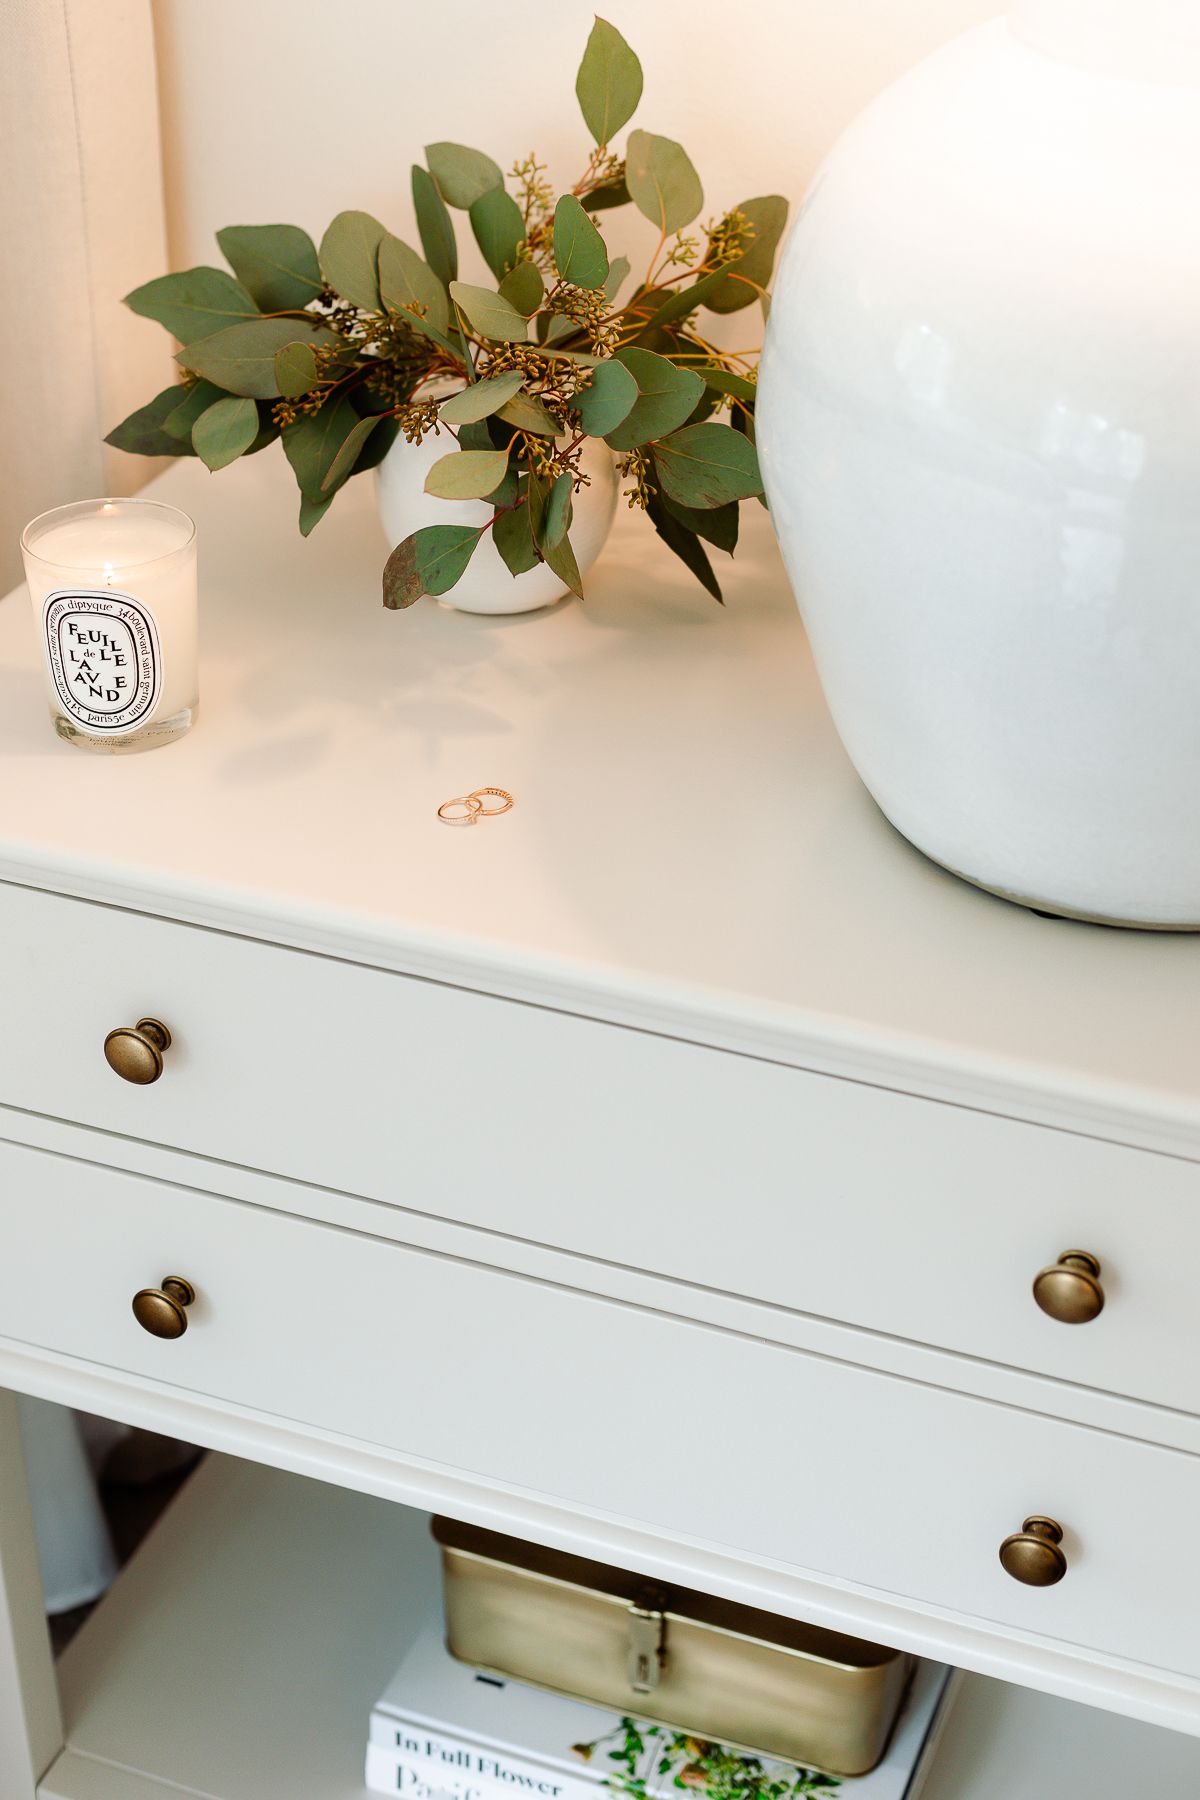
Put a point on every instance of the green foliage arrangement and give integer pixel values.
(335, 350)
(651, 1758)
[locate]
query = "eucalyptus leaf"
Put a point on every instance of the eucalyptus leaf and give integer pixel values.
(408, 284)
(377, 445)
(312, 442)
(726, 381)
(579, 252)
(536, 493)
(347, 456)
(751, 274)
(296, 370)
(609, 83)
(506, 493)
(524, 288)
(557, 516)
(607, 400)
(194, 303)
(450, 340)
(683, 301)
(142, 433)
(662, 183)
(476, 436)
(192, 402)
(704, 408)
(467, 474)
(618, 269)
(499, 227)
(514, 540)
(481, 398)
(718, 524)
(562, 560)
(348, 258)
(276, 264)
(224, 431)
(428, 562)
(313, 508)
(663, 342)
(489, 313)
(667, 395)
(707, 465)
(527, 413)
(686, 545)
(463, 176)
(241, 359)
(435, 226)
(609, 194)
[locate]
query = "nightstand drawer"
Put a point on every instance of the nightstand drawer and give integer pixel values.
(704, 1434)
(906, 1216)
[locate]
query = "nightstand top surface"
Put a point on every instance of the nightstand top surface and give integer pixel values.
(690, 851)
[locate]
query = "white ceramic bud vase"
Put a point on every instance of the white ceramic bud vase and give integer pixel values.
(979, 420)
(487, 586)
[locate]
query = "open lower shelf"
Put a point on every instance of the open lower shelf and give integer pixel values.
(238, 1656)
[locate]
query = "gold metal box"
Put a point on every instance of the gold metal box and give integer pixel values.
(728, 1673)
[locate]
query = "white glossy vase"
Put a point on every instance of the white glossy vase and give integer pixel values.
(487, 586)
(979, 421)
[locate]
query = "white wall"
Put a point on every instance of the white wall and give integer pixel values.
(289, 109)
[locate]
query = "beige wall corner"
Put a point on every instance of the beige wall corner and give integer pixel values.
(81, 222)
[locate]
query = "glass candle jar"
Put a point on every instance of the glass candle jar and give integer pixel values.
(113, 587)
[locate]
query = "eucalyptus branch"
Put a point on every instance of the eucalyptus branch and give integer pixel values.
(339, 348)
(649, 281)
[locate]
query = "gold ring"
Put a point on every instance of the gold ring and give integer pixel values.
(473, 807)
(492, 812)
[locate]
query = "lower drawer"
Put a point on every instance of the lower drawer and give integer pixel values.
(749, 1446)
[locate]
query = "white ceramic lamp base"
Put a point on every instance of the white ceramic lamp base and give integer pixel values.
(979, 420)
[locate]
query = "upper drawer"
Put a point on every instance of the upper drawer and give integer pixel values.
(907, 1216)
(771, 1453)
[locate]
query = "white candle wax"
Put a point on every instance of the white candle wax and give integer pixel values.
(113, 589)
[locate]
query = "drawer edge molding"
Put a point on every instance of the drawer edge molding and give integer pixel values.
(1157, 1697)
(1109, 1110)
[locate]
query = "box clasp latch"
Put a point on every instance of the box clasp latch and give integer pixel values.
(647, 1643)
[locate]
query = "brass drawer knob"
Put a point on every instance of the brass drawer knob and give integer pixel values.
(1033, 1555)
(135, 1052)
(1069, 1290)
(160, 1310)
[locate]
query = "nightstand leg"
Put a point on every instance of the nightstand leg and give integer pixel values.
(31, 1733)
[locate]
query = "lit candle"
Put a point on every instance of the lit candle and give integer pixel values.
(113, 587)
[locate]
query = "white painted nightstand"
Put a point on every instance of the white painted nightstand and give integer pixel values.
(660, 1171)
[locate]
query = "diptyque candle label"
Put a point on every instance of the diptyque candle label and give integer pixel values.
(104, 656)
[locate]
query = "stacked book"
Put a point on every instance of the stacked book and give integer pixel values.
(443, 1731)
